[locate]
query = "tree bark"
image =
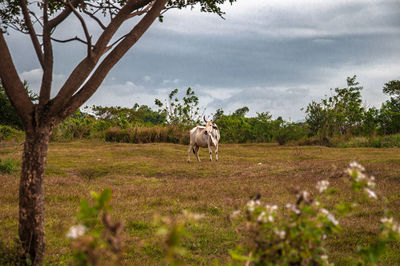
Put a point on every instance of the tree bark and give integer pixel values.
(31, 194)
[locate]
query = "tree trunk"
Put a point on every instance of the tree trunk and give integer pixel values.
(31, 194)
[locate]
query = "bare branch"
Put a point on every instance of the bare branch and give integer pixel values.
(83, 23)
(36, 18)
(47, 77)
(76, 38)
(32, 33)
(95, 18)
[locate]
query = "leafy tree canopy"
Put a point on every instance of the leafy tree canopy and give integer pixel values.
(392, 88)
(11, 11)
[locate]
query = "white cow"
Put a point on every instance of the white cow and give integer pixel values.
(204, 136)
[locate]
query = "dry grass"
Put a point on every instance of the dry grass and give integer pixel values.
(154, 178)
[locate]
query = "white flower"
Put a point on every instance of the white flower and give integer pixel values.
(271, 208)
(325, 260)
(235, 213)
(330, 216)
(193, 216)
(76, 231)
(251, 204)
(360, 176)
(261, 217)
(370, 193)
(356, 165)
(293, 208)
(281, 234)
(385, 220)
(371, 184)
(304, 195)
(322, 185)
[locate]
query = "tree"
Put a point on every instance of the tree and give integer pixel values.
(40, 20)
(184, 112)
(389, 114)
(341, 113)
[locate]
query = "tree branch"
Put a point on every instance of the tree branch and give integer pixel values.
(47, 77)
(95, 18)
(37, 19)
(63, 15)
(76, 38)
(141, 12)
(114, 43)
(13, 85)
(111, 59)
(88, 37)
(86, 66)
(32, 32)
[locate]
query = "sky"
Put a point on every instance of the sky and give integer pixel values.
(269, 55)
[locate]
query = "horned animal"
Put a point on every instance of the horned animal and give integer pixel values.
(206, 137)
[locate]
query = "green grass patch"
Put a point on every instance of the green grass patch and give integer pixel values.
(7, 166)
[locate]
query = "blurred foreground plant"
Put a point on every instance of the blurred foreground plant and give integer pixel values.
(296, 233)
(172, 231)
(96, 239)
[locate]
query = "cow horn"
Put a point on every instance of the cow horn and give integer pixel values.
(204, 117)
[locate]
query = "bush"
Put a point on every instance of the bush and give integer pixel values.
(297, 234)
(148, 135)
(8, 166)
(290, 132)
(10, 133)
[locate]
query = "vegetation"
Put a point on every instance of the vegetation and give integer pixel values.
(7, 166)
(149, 179)
(8, 116)
(343, 113)
(104, 46)
(340, 120)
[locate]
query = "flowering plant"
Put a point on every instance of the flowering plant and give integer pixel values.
(96, 239)
(297, 232)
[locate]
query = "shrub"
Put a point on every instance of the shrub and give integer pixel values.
(96, 240)
(296, 234)
(169, 134)
(8, 166)
(9, 133)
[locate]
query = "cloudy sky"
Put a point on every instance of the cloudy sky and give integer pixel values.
(269, 55)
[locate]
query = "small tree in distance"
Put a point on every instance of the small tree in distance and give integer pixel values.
(184, 112)
(39, 20)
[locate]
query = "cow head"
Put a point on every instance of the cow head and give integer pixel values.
(209, 126)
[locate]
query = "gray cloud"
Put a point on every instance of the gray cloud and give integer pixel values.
(268, 55)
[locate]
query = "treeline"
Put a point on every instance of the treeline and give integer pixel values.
(341, 119)
(344, 118)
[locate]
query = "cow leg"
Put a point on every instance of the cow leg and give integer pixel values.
(216, 153)
(197, 153)
(190, 149)
(210, 151)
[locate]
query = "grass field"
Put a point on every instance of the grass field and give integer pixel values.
(153, 179)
